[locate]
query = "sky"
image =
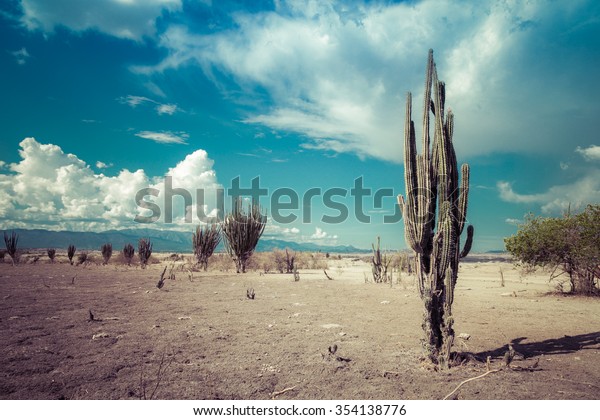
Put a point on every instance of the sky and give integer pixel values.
(101, 99)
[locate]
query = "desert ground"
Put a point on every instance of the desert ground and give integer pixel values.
(201, 337)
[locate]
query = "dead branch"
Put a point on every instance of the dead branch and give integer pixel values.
(283, 391)
(469, 380)
(327, 275)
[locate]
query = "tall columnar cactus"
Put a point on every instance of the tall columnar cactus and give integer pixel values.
(435, 211)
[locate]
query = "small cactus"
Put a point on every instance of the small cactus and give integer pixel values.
(11, 243)
(106, 252)
(144, 251)
(128, 252)
(71, 253)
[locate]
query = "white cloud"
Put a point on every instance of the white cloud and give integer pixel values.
(130, 19)
(168, 109)
(277, 231)
(134, 101)
(51, 189)
(21, 56)
(319, 234)
(338, 74)
(102, 165)
(166, 137)
(2, 164)
(589, 153)
(559, 197)
(511, 221)
(322, 237)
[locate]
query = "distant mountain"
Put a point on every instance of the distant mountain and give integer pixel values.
(162, 241)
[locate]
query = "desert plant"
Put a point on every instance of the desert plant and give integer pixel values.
(284, 262)
(433, 194)
(106, 252)
(144, 250)
(242, 232)
(82, 258)
(51, 254)
(71, 253)
(11, 243)
(567, 245)
(128, 252)
(205, 241)
(380, 265)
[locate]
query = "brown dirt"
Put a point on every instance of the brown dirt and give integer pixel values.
(214, 343)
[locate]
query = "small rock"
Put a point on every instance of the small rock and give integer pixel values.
(184, 317)
(464, 336)
(384, 302)
(100, 335)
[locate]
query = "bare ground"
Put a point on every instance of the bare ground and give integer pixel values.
(204, 339)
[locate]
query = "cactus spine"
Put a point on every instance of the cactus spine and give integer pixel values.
(434, 211)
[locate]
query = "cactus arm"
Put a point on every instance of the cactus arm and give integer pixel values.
(463, 197)
(468, 242)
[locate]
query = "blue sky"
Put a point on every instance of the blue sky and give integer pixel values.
(103, 98)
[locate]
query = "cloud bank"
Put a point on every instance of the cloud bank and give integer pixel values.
(129, 19)
(338, 73)
(51, 189)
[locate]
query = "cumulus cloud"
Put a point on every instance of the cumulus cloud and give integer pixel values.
(338, 73)
(320, 236)
(589, 153)
(51, 189)
(130, 19)
(277, 231)
(165, 137)
(558, 198)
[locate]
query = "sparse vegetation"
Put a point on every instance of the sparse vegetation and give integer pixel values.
(434, 211)
(82, 258)
(106, 252)
(380, 265)
(144, 251)
(51, 254)
(284, 261)
(12, 249)
(242, 232)
(71, 253)
(128, 252)
(204, 242)
(568, 245)
(2, 254)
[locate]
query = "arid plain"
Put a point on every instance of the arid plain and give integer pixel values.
(107, 332)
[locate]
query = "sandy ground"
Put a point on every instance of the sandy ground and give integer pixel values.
(202, 338)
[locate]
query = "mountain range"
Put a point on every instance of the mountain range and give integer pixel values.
(162, 241)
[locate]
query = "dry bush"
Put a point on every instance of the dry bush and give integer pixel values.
(221, 262)
(310, 261)
(82, 258)
(51, 254)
